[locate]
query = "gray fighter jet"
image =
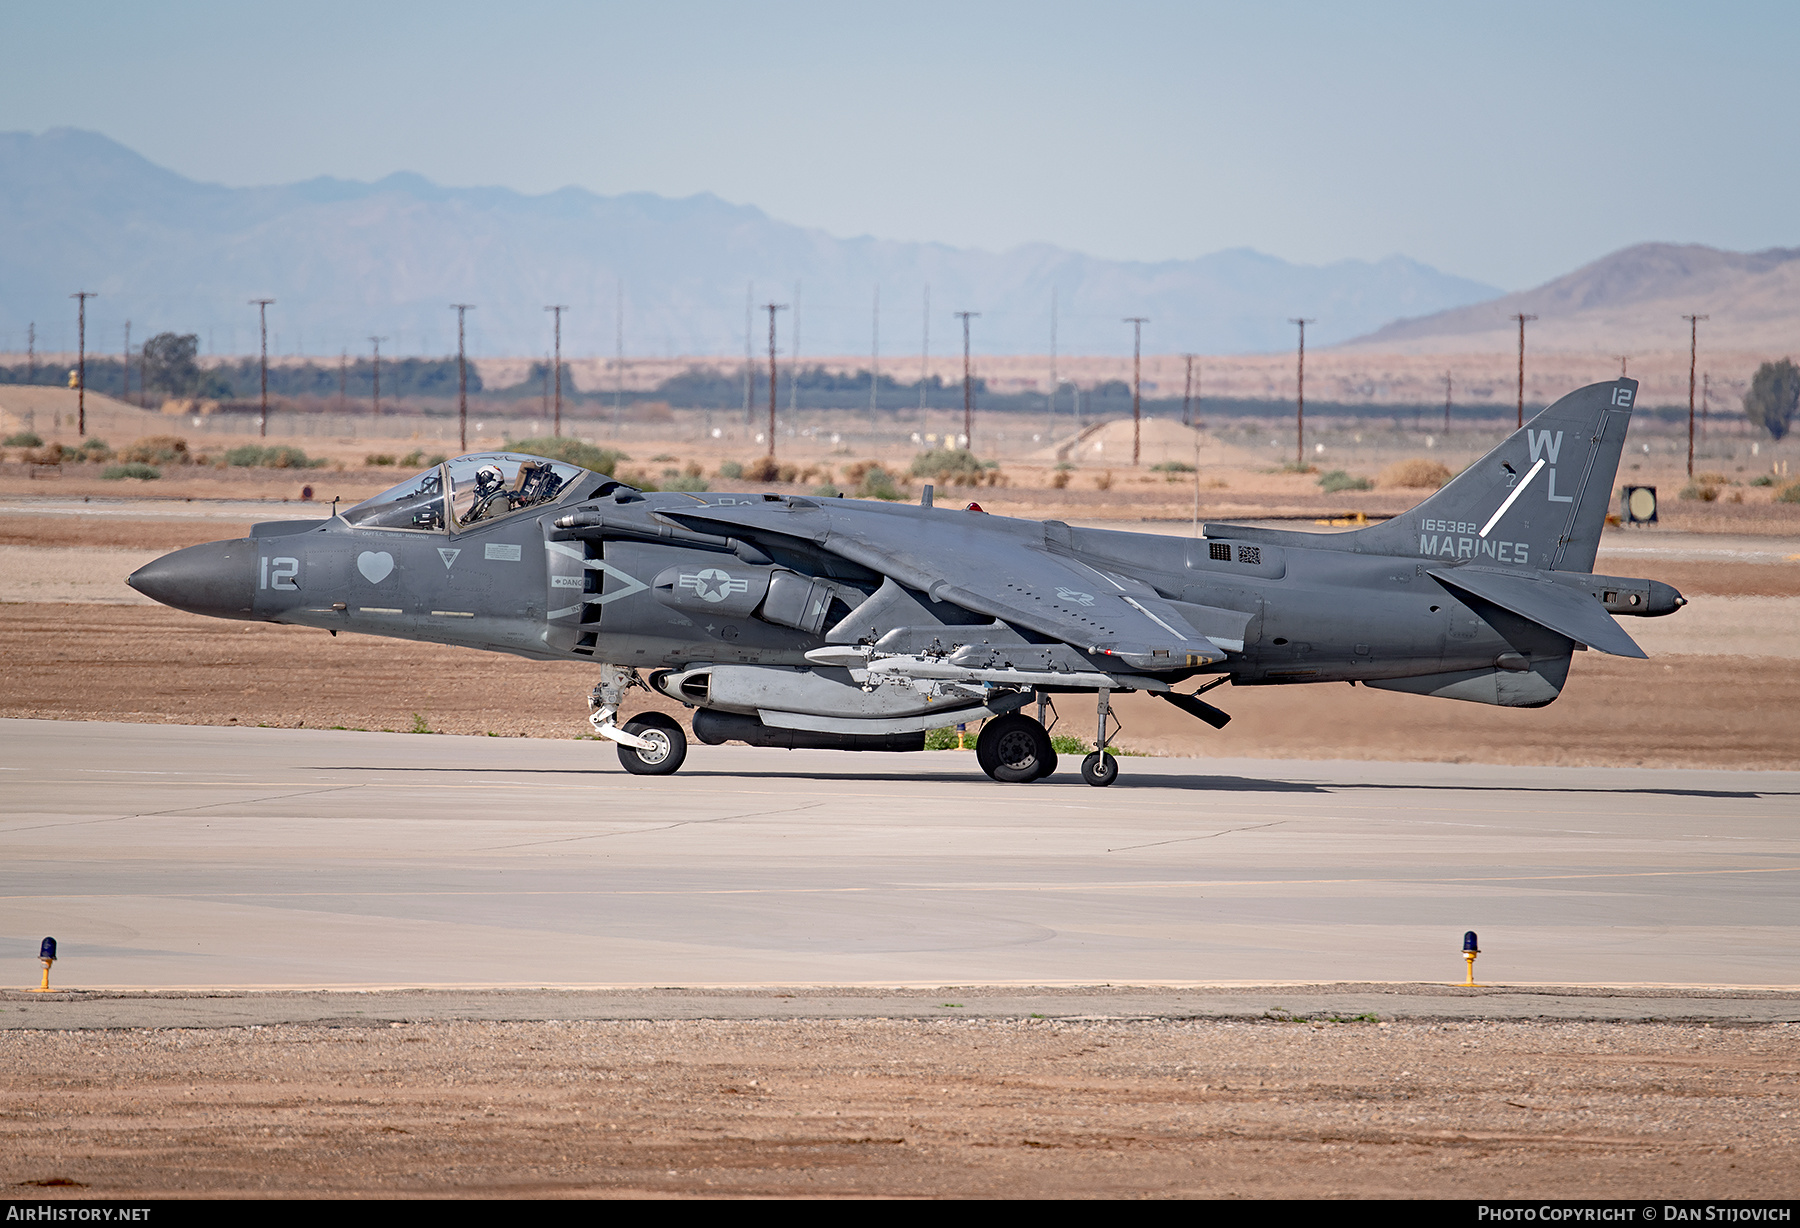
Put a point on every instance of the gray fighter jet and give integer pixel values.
(794, 621)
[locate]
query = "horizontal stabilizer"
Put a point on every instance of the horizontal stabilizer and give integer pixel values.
(1563, 610)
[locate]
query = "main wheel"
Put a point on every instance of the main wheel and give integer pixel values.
(1048, 766)
(668, 745)
(1013, 749)
(1100, 769)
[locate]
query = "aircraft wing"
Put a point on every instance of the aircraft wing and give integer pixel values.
(1563, 610)
(1006, 569)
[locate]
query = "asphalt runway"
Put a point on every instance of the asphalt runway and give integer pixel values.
(169, 856)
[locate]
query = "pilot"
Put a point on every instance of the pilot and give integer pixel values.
(490, 484)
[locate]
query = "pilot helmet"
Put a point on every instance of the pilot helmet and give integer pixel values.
(488, 477)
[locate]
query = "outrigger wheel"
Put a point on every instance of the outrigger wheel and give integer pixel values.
(668, 745)
(1100, 769)
(1014, 749)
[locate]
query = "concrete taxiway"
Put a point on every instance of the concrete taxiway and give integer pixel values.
(165, 856)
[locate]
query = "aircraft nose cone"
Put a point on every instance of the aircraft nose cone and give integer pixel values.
(217, 579)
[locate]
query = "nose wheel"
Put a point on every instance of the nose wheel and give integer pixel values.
(664, 745)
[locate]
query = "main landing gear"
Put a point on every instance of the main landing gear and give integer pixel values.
(650, 744)
(1014, 749)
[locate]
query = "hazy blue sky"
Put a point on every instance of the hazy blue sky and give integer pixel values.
(1506, 143)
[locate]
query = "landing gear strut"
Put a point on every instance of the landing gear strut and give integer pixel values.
(1101, 769)
(649, 745)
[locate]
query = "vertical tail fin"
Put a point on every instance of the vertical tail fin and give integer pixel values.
(1538, 500)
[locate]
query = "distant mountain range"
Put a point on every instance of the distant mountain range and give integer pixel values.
(344, 261)
(1629, 302)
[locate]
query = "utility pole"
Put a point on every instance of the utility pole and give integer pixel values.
(31, 353)
(377, 341)
(1693, 356)
(794, 363)
(1446, 401)
(924, 353)
(558, 310)
(125, 390)
(749, 310)
(874, 358)
(462, 378)
(619, 352)
(81, 361)
(968, 384)
(262, 316)
(1187, 393)
(1521, 317)
(1300, 398)
(772, 309)
(1137, 344)
(1050, 423)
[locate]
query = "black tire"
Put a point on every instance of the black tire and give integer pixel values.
(1013, 749)
(1099, 769)
(1048, 766)
(671, 747)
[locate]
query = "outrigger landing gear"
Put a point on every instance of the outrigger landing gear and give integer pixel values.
(1101, 769)
(651, 744)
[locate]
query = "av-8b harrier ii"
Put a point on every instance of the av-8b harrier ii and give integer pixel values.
(797, 621)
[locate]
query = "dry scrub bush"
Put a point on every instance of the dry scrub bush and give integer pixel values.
(157, 450)
(1104, 481)
(1415, 473)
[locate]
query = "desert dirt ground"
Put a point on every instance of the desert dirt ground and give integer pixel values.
(892, 1108)
(875, 1107)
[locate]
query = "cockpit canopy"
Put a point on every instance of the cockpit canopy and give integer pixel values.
(482, 487)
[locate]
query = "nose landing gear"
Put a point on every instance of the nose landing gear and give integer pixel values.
(664, 745)
(651, 744)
